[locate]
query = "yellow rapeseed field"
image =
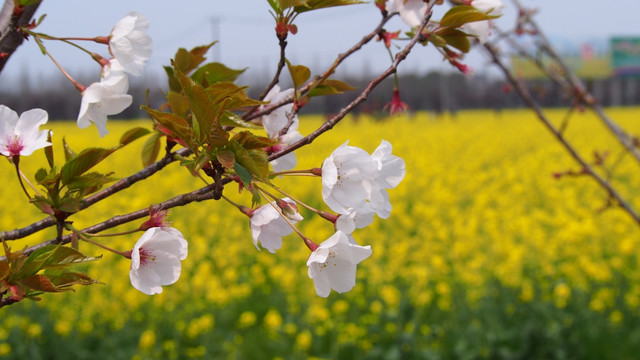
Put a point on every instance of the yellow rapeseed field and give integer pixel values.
(486, 255)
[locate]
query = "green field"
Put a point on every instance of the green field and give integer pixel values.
(485, 256)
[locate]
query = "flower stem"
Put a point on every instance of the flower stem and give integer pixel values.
(88, 239)
(243, 209)
(309, 172)
(38, 40)
(323, 214)
(129, 232)
(20, 179)
(266, 195)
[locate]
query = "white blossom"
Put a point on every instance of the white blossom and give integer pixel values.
(129, 42)
(412, 12)
(348, 176)
(268, 227)
(106, 97)
(276, 120)
(333, 264)
(482, 29)
(391, 171)
(21, 136)
(288, 161)
(155, 259)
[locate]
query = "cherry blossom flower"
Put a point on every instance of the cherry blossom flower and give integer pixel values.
(276, 120)
(155, 259)
(21, 136)
(268, 227)
(288, 161)
(355, 219)
(332, 265)
(129, 42)
(412, 12)
(103, 98)
(348, 175)
(482, 29)
(396, 105)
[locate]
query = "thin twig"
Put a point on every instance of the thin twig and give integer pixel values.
(101, 195)
(328, 125)
(318, 79)
(528, 99)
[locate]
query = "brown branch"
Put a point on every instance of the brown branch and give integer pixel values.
(119, 186)
(328, 125)
(202, 194)
(11, 19)
(579, 89)
(276, 76)
(318, 79)
(528, 99)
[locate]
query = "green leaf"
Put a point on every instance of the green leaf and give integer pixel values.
(255, 161)
(82, 162)
(58, 256)
(455, 38)
(64, 279)
(285, 4)
(174, 84)
(212, 73)
(330, 87)
(28, 2)
(68, 153)
(89, 183)
(178, 103)
(41, 175)
(249, 140)
(230, 119)
(200, 161)
(226, 158)
(5, 269)
(171, 124)
(204, 111)
(462, 14)
(39, 283)
(48, 151)
(437, 40)
(244, 174)
(299, 74)
(235, 95)
(186, 61)
(132, 135)
(320, 4)
(151, 149)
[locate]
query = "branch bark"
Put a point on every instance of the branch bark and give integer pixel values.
(11, 18)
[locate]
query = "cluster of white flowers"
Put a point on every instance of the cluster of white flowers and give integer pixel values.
(131, 47)
(354, 185)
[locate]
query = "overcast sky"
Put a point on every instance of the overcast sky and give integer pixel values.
(245, 29)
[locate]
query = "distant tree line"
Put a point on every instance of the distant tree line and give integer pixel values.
(434, 91)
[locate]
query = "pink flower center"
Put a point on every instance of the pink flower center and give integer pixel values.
(146, 257)
(15, 145)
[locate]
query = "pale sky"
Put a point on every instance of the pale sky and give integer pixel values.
(245, 29)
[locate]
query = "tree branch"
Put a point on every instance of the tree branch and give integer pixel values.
(328, 125)
(528, 99)
(320, 78)
(101, 195)
(11, 19)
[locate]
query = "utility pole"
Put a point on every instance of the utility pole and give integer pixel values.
(215, 36)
